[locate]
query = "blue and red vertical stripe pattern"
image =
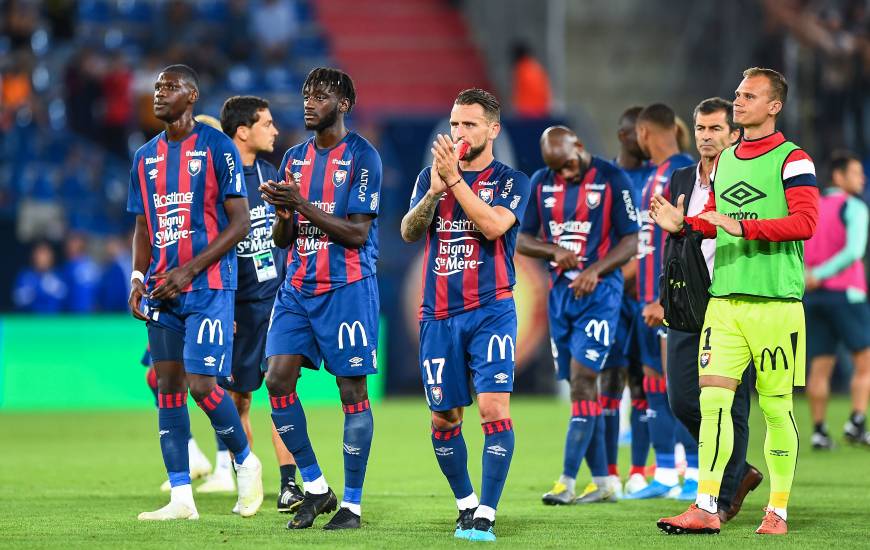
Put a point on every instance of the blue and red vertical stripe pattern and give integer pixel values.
(342, 180)
(588, 216)
(180, 187)
(462, 270)
(651, 241)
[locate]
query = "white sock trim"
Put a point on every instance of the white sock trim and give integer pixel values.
(355, 508)
(182, 494)
(223, 461)
(568, 482)
(485, 512)
(781, 512)
(467, 502)
(316, 487)
(708, 503)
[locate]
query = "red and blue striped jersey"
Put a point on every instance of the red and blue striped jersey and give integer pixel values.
(462, 270)
(651, 240)
(180, 187)
(586, 216)
(341, 181)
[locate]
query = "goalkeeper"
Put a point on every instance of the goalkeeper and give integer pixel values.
(763, 206)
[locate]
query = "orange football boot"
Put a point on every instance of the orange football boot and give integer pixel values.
(693, 521)
(772, 524)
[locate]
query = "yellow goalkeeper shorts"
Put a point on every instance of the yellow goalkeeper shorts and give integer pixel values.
(772, 333)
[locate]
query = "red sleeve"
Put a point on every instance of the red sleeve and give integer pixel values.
(705, 227)
(799, 225)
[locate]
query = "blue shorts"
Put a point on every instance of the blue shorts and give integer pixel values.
(195, 328)
(249, 346)
(339, 328)
(481, 342)
(583, 328)
(621, 356)
(832, 319)
(647, 341)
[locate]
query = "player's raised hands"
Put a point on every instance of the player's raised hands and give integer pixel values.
(281, 212)
(137, 291)
(446, 159)
(729, 224)
(173, 282)
(666, 215)
(282, 195)
(436, 184)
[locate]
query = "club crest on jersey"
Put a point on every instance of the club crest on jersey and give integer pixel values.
(437, 395)
(339, 177)
(593, 199)
(704, 359)
(194, 166)
(486, 194)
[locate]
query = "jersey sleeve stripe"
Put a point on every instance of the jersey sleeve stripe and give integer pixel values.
(799, 167)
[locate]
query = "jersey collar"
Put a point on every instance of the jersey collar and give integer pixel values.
(752, 148)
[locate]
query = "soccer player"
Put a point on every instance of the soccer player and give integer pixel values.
(469, 207)
(261, 264)
(327, 307)
(657, 138)
(836, 299)
(622, 365)
(582, 218)
(187, 193)
(715, 130)
(764, 204)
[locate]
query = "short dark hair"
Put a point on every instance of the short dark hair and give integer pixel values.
(778, 83)
(477, 96)
(333, 80)
(714, 105)
(241, 110)
(186, 72)
(630, 114)
(840, 161)
(659, 114)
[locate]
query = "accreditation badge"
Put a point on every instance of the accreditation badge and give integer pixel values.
(264, 263)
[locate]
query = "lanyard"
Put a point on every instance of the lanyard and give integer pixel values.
(260, 178)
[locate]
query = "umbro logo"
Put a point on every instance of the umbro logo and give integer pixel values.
(443, 451)
(501, 378)
(351, 450)
(225, 431)
(284, 429)
(161, 433)
(741, 193)
(497, 450)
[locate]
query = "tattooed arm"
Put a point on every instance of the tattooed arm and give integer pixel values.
(424, 202)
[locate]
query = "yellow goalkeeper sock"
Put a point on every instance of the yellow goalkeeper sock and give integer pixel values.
(780, 447)
(715, 445)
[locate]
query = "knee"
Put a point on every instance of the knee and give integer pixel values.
(352, 390)
(201, 386)
(242, 402)
(611, 381)
(281, 379)
(776, 409)
(584, 383)
(446, 420)
(715, 400)
(171, 378)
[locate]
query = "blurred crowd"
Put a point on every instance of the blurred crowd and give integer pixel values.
(826, 45)
(81, 283)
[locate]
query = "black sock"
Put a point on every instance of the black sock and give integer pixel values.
(857, 419)
(288, 475)
(820, 428)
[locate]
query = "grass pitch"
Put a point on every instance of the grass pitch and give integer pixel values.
(75, 480)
